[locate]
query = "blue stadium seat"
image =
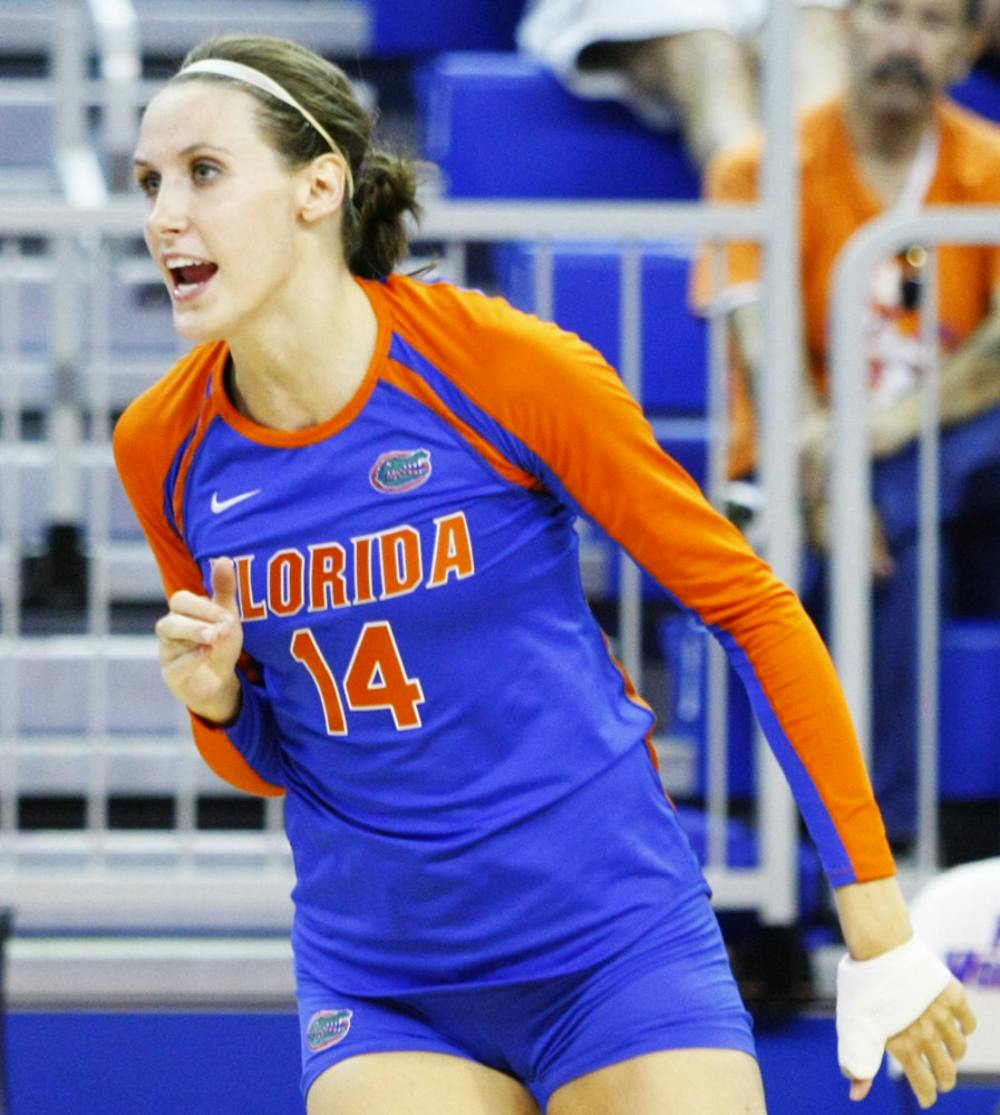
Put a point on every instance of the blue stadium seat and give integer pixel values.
(980, 91)
(500, 125)
(969, 758)
(401, 27)
(586, 300)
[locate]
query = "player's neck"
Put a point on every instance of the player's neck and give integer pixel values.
(305, 368)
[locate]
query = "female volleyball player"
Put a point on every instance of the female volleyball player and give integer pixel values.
(360, 489)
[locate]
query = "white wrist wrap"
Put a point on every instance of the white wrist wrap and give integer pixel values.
(878, 998)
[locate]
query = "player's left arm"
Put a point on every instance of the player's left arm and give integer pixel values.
(588, 441)
(591, 441)
(139, 453)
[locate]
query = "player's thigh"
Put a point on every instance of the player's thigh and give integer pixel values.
(673, 1082)
(416, 1083)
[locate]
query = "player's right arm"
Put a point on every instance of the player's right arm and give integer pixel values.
(231, 718)
(201, 639)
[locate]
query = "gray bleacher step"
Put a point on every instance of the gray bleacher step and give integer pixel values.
(126, 972)
(331, 26)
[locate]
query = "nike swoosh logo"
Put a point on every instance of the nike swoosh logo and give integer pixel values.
(220, 505)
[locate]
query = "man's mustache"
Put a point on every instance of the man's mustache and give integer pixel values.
(902, 69)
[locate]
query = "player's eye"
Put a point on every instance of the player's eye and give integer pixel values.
(203, 172)
(148, 183)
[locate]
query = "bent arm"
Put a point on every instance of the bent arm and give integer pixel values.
(246, 754)
(588, 442)
(969, 385)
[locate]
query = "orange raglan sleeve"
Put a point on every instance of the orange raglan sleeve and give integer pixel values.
(596, 443)
(588, 442)
(146, 440)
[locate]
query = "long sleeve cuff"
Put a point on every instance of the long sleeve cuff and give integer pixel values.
(246, 753)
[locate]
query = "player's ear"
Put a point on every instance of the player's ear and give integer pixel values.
(322, 187)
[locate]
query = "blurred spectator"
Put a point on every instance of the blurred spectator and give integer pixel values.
(695, 61)
(892, 141)
(990, 57)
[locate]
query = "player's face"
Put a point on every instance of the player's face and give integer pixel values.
(905, 52)
(221, 212)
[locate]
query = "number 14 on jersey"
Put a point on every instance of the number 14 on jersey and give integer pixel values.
(375, 678)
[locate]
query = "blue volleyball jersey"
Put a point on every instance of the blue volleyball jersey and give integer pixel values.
(469, 791)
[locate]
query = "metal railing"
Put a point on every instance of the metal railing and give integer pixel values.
(344, 27)
(851, 483)
(186, 877)
(98, 857)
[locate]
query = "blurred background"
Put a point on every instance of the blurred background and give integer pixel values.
(145, 906)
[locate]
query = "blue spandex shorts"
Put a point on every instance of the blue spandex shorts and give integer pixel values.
(672, 989)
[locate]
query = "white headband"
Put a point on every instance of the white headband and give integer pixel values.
(249, 76)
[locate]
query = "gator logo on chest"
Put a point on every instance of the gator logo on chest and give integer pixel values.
(400, 470)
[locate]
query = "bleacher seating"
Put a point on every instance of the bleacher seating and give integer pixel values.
(401, 27)
(586, 294)
(66, 679)
(33, 492)
(338, 28)
(500, 125)
(27, 156)
(587, 282)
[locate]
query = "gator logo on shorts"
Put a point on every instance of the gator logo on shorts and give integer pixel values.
(326, 1028)
(400, 470)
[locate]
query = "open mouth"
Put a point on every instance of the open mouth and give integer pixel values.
(190, 276)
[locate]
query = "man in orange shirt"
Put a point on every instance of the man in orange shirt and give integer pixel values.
(893, 141)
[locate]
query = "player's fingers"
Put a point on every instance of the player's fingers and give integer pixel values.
(918, 1073)
(955, 1000)
(224, 585)
(188, 680)
(954, 1038)
(924, 1057)
(942, 1064)
(177, 669)
(952, 1018)
(198, 607)
(860, 1089)
(181, 632)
